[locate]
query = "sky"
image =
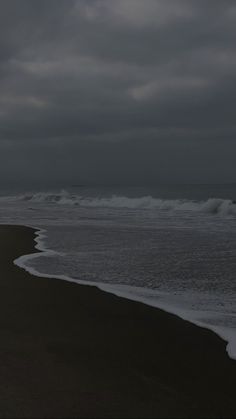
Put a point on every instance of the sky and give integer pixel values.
(117, 92)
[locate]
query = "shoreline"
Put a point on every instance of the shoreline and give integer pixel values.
(230, 344)
(75, 351)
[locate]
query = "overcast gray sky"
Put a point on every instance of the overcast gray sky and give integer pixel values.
(123, 91)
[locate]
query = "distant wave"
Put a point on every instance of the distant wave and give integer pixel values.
(211, 206)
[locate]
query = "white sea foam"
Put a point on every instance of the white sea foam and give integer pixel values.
(146, 296)
(210, 206)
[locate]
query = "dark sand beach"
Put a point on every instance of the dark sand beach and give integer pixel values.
(74, 351)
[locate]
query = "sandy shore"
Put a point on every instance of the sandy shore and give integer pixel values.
(74, 351)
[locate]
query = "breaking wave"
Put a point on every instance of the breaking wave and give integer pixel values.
(211, 206)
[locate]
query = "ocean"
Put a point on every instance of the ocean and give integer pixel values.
(169, 246)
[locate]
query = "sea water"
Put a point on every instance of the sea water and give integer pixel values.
(169, 246)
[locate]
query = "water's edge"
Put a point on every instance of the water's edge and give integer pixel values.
(120, 291)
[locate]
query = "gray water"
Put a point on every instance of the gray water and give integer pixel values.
(173, 247)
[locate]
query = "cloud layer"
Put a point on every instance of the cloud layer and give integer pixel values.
(117, 92)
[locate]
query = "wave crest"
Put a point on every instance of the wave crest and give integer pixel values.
(211, 206)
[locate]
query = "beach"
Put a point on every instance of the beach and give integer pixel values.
(69, 350)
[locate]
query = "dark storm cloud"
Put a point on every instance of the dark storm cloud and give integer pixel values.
(123, 91)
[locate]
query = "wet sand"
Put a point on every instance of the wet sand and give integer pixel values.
(74, 351)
